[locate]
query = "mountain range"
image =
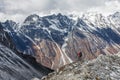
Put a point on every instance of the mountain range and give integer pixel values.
(54, 40)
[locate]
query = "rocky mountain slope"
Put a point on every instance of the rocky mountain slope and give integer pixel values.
(12, 67)
(103, 68)
(55, 40)
(15, 65)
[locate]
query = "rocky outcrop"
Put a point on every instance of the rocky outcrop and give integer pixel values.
(105, 67)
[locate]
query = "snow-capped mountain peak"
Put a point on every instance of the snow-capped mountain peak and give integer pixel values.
(32, 18)
(117, 14)
(92, 16)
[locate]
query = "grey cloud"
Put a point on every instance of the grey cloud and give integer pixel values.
(26, 7)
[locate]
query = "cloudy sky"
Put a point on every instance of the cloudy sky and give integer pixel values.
(17, 10)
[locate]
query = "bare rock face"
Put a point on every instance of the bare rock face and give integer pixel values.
(103, 68)
(48, 53)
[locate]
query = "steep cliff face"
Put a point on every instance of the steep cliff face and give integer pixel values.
(5, 38)
(105, 67)
(56, 39)
(10, 36)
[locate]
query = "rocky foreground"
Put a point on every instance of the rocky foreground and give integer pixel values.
(103, 68)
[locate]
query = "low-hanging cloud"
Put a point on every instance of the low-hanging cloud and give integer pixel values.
(19, 9)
